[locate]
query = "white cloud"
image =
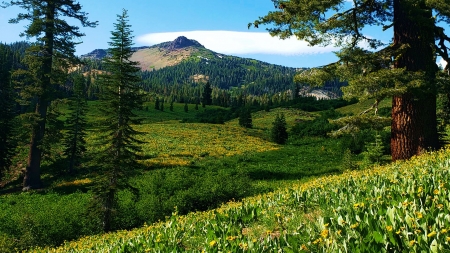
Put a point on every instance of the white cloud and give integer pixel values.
(232, 42)
(442, 62)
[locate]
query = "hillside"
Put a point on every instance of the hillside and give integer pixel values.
(402, 207)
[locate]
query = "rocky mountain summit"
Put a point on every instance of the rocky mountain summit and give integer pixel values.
(178, 43)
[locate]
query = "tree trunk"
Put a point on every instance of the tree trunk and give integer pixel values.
(32, 179)
(414, 124)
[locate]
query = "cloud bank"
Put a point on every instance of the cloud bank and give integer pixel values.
(233, 42)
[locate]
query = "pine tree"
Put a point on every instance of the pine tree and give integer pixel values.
(186, 108)
(7, 113)
(279, 132)
(53, 44)
(75, 143)
(245, 118)
(121, 96)
(404, 70)
(171, 106)
(157, 103)
(206, 96)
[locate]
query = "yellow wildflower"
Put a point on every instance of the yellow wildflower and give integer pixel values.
(303, 247)
(212, 243)
(432, 234)
(389, 228)
(436, 191)
(324, 233)
(354, 225)
(411, 243)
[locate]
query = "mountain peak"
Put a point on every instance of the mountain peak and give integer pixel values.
(181, 42)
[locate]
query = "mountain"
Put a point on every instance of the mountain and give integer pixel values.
(186, 61)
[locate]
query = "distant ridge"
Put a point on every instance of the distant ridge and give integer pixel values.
(178, 43)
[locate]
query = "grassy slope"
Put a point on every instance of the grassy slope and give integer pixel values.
(156, 58)
(402, 207)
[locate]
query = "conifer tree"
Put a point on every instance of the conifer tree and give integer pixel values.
(6, 109)
(54, 43)
(206, 96)
(75, 143)
(186, 108)
(279, 132)
(121, 96)
(157, 103)
(245, 118)
(404, 70)
(171, 106)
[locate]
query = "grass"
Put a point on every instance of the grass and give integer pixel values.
(190, 165)
(402, 207)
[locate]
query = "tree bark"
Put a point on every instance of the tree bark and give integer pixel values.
(32, 178)
(414, 123)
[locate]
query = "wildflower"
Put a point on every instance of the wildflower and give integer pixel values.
(354, 225)
(389, 228)
(303, 247)
(339, 232)
(432, 234)
(448, 239)
(212, 243)
(436, 192)
(411, 243)
(419, 215)
(420, 189)
(443, 231)
(324, 233)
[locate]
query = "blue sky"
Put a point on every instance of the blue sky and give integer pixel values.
(220, 25)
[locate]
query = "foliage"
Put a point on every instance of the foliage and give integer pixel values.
(7, 107)
(319, 126)
(206, 95)
(74, 142)
(403, 206)
(245, 118)
(374, 152)
(64, 218)
(279, 132)
(118, 156)
(46, 61)
(404, 70)
(348, 161)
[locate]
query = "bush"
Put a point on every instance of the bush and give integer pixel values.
(319, 127)
(32, 219)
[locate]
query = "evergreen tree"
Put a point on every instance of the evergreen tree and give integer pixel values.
(53, 44)
(206, 96)
(162, 106)
(245, 118)
(196, 106)
(6, 109)
(404, 70)
(121, 96)
(186, 108)
(279, 132)
(157, 103)
(75, 144)
(171, 106)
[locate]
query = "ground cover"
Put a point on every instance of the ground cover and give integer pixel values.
(401, 207)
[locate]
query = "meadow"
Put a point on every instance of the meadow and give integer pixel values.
(401, 207)
(187, 167)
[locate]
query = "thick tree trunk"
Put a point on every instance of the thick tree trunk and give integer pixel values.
(32, 179)
(414, 124)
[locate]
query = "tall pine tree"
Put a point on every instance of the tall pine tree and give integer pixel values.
(54, 43)
(121, 95)
(404, 70)
(6, 108)
(74, 142)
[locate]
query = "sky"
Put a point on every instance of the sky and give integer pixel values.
(219, 25)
